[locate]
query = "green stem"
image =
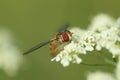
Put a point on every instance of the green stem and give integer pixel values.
(95, 64)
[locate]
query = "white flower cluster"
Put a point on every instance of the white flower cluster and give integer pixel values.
(103, 32)
(100, 76)
(10, 58)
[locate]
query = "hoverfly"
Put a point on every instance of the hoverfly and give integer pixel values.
(62, 38)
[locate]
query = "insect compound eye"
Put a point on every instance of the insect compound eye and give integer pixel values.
(65, 36)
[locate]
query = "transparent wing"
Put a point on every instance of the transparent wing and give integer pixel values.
(63, 28)
(36, 47)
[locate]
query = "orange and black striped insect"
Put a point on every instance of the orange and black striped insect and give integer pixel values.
(62, 38)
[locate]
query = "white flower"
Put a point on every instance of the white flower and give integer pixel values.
(106, 38)
(115, 50)
(104, 32)
(79, 45)
(110, 38)
(100, 76)
(77, 33)
(67, 55)
(101, 22)
(10, 58)
(89, 41)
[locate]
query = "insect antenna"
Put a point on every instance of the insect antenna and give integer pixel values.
(37, 47)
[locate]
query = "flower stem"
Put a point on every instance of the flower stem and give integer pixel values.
(95, 64)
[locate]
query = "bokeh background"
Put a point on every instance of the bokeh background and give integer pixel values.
(34, 21)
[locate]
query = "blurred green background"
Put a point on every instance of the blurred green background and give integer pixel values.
(34, 21)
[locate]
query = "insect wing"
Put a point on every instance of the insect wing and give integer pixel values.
(37, 47)
(63, 28)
